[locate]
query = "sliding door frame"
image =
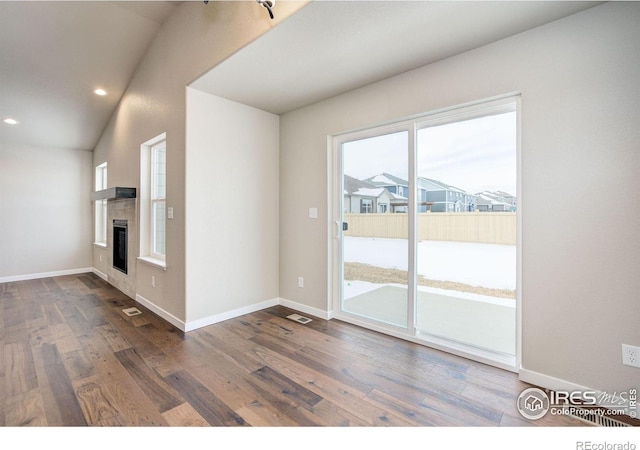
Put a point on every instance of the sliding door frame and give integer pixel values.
(335, 198)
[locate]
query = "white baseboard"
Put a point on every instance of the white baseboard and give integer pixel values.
(35, 276)
(102, 275)
(305, 309)
(210, 320)
(173, 320)
(549, 382)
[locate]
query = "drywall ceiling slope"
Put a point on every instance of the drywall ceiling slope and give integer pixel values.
(53, 55)
(331, 47)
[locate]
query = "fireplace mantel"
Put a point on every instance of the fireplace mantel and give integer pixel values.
(114, 193)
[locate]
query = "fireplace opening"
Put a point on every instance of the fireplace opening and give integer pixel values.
(120, 245)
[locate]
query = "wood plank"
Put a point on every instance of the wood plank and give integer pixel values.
(416, 415)
(19, 369)
(164, 338)
(64, 337)
(229, 385)
(282, 404)
(62, 389)
(163, 364)
(25, 410)
(301, 395)
(131, 402)
(96, 403)
(156, 389)
(184, 415)
(65, 340)
(212, 409)
(77, 365)
(461, 410)
(351, 400)
(88, 281)
(113, 338)
(220, 375)
(258, 415)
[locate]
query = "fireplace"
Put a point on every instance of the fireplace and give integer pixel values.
(120, 245)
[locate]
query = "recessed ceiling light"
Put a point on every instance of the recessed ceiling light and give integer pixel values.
(100, 92)
(10, 121)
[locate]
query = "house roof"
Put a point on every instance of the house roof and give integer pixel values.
(369, 192)
(352, 184)
(435, 185)
(397, 197)
(492, 198)
(386, 179)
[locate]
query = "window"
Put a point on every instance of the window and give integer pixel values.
(153, 191)
(158, 198)
(100, 237)
(366, 206)
(400, 191)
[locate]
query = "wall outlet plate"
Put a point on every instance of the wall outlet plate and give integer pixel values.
(630, 355)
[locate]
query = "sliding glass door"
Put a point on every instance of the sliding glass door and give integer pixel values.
(375, 251)
(427, 229)
(466, 239)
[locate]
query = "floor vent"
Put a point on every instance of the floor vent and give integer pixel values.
(131, 311)
(595, 416)
(298, 318)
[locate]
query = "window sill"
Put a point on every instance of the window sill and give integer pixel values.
(153, 262)
(100, 244)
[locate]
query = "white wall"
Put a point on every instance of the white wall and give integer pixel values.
(45, 210)
(191, 41)
(580, 163)
(231, 207)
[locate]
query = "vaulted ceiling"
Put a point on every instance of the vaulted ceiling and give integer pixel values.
(54, 54)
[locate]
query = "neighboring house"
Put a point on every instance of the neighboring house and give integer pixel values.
(507, 198)
(433, 195)
(398, 187)
(436, 196)
(496, 201)
(361, 197)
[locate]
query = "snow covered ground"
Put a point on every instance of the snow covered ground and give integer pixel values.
(486, 265)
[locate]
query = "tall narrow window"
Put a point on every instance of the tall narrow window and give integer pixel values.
(158, 199)
(153, 192)
(101, 206)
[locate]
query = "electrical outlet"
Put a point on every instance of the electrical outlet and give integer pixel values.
(300, 282)
(630, 355)
(153, 281)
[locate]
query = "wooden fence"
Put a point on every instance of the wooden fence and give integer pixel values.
(478, 227)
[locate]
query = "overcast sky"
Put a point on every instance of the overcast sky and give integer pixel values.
(474, 155)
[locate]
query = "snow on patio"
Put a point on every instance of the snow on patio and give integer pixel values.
(486, 265)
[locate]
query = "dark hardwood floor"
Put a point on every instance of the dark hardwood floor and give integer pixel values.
(71, 357)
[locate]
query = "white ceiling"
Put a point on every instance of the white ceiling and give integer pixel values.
(331, 47)
(53, 54)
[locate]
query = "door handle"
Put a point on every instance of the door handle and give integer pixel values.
(344, 227)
